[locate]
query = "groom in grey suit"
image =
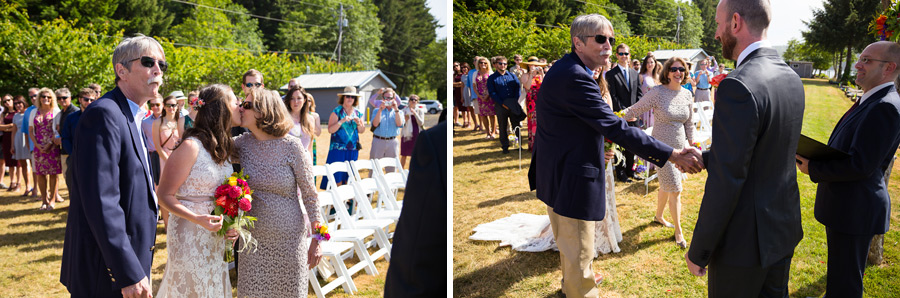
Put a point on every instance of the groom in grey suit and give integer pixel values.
(749, 219)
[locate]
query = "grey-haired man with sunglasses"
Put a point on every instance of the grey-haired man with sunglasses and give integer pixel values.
(569, 159)
(111, 228)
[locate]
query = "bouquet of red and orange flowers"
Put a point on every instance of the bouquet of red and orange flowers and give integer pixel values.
(232, 200)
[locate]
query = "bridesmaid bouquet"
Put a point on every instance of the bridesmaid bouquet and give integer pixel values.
(232, 200)
(321, 232)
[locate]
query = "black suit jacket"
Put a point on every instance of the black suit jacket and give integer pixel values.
(419, 260)
(750, 213)
(568, 150)
(111, 228)
(622, 96)
(852, 197)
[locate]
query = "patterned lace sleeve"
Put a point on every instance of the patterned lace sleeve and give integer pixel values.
(689, 124)
(643, 105)
(301, 163)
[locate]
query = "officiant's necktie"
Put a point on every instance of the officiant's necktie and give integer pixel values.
(853, 107)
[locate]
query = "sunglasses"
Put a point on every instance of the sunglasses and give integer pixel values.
(623, 54)
(501, 63)
(88, 99)
(677, 69)
(251, 85)
(45, 96)
(33, 95)
(148, 62)
(171, 106)
(599, 38)
(62, 98)
(247, 105)
(153, 105)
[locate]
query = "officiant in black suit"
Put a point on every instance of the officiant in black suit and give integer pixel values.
(749, 219)
(625, 92)
(852, 199)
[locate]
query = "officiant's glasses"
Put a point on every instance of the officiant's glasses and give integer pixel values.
(601, 39)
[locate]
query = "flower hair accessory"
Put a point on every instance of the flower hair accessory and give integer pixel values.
(197, 103)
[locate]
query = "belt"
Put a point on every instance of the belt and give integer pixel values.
(196, 199)
(384, 138)
(703, 88)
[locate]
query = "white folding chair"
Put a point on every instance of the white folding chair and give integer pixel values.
(369, 186)
(348, 192)
(332, 251)
(356, 236)
(395, 180)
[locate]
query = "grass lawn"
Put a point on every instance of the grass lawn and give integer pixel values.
(488, 185)
(31, 243)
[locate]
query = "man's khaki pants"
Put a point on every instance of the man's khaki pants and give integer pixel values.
(575, 240)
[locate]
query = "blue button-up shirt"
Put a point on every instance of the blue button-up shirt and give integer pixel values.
(503, 86)
(147, 128)
(388, 126)
(702, 80)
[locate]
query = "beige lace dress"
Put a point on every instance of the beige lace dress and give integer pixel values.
(276, 169)
(195, 266)
(673, 125)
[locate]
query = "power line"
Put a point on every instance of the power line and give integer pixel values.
(248, 14)
(212, 47)
(318, 5)
(617, 8)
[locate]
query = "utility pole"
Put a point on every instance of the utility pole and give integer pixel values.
(678, 19)
(342, 22)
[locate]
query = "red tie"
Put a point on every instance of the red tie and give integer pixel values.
(856, 104)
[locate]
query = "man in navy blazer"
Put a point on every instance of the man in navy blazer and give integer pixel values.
(568, 157)
(111, 228)
(852, 199)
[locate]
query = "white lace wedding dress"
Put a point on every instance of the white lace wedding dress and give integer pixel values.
(195, 266)
(532, 233)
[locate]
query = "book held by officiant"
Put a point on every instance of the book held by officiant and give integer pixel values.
(815, 150)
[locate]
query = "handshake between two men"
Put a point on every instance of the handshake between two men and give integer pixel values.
(688, 160)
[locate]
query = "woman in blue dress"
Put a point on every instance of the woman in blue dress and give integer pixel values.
(345, 124)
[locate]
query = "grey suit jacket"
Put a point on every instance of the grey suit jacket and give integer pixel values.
(750, 214)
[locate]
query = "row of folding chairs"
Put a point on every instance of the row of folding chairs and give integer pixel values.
(353, 233)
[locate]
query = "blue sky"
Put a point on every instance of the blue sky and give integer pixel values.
(441, 13)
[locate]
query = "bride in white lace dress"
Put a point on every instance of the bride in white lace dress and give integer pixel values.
(195, 266)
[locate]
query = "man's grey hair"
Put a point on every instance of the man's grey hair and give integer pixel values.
(756, 13)
(475, 62)
(33, 90)
(133, 47)
(588, 25)
(63, 91)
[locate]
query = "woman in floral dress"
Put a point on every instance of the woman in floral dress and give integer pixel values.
(47, 164)
(485, 104)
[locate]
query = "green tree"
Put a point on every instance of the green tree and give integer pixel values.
(216, 28)
(43, 55)
(619, 20)
(317, 30)
(488, 34)
(636, 7)
(708, 19)
(429, 80)
(660, 20)
(841, 26)
(800, 51)
(408, 29)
